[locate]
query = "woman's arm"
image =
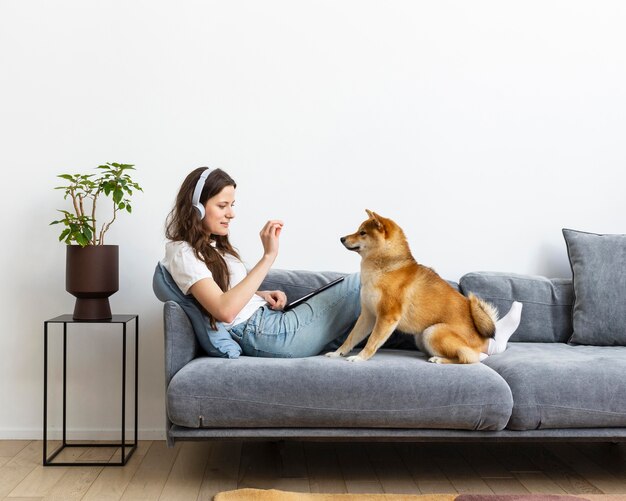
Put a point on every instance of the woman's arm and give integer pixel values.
(225, 306)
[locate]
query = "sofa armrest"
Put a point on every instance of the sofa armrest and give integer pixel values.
(181, 345)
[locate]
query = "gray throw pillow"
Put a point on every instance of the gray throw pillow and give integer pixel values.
(599, 275)
(217, 343)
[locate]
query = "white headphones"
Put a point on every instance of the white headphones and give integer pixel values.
(195, 200)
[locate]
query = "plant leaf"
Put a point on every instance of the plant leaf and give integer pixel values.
(81, 240)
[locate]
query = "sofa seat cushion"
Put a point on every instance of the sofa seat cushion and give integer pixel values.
(556, 385)
(394, 389)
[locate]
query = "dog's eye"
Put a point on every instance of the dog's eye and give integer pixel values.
(362, 233)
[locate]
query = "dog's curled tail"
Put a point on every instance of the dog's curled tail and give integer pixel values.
(484, 316)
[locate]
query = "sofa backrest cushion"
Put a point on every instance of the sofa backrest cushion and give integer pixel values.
(599, 274)
(547, 311)
(217, 343)
(297, 283)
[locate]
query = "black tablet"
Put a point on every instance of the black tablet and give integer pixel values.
(295, 303)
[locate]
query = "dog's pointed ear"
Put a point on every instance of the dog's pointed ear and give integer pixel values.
(376, 218)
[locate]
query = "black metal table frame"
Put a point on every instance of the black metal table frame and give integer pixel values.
(127, 448)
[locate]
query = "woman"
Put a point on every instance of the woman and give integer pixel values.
(202, 262)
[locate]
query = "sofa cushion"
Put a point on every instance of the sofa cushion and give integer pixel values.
(547, 312)
(563, 386)
(297, 283)
(599, 273)
(394, 389)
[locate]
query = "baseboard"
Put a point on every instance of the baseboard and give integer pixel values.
(108, 435)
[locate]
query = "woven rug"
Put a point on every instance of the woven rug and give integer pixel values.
(276, 495)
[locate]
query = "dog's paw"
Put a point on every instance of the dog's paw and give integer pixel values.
(436, 360)
(355, 358)
(334, 354)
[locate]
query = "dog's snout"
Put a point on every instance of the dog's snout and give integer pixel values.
(343, 239)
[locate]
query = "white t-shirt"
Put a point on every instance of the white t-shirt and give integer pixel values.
(186, 269)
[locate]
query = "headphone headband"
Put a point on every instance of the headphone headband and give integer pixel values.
(195, 200)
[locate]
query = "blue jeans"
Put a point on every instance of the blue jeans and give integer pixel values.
(306, 329)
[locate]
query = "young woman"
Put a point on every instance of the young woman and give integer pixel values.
(202, 262)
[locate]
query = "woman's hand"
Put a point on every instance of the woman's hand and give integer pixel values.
(269, 237)
(276, 299)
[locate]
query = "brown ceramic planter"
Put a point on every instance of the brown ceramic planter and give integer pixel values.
(92, 275)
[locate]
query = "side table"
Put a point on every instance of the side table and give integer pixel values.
(127, 447)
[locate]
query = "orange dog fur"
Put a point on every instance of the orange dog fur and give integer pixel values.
(398, 293)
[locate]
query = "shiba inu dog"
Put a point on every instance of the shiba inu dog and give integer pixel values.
(398, 293)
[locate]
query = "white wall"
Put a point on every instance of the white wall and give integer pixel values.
(482, 127)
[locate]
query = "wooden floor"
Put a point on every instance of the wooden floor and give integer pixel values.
(198, 470)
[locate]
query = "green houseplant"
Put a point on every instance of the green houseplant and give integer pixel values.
(92, 267)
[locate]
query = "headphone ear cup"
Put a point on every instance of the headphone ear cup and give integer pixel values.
(197, 193)
(200, 210)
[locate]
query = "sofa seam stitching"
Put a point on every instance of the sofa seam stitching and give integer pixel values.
(536, 406)
(199, 397)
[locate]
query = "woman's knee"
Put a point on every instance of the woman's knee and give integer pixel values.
(353, 281)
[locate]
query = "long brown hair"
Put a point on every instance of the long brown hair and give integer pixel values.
(184, 225)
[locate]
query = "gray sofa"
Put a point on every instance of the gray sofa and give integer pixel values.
(541, 388)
